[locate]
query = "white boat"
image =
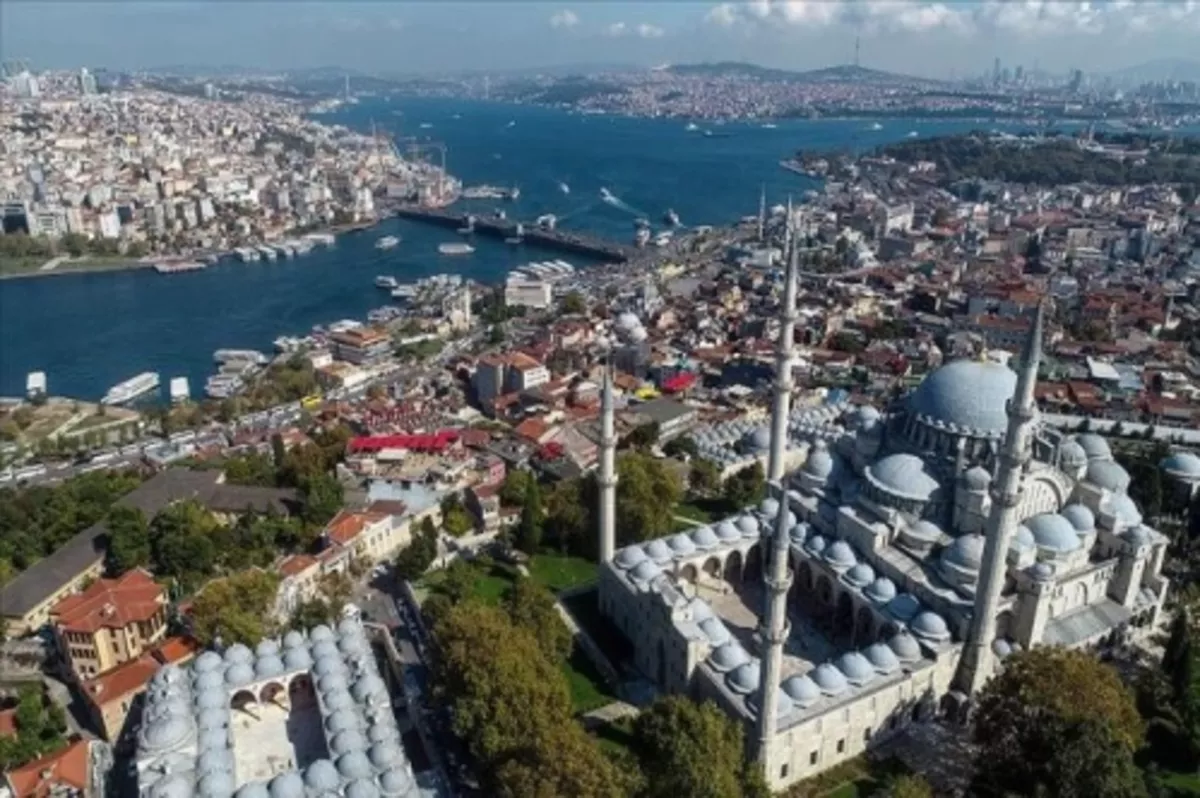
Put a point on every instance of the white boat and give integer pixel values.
(383, 281)
(267, 253)
(912, 134)
(426, 125)
(387, 242)
(770, 126)
(131, 388)
(564, 188)
(243, 355)
(404, 291)
(692, 126)
(876, 126)
(455, 248)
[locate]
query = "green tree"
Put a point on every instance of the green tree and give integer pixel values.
(458, 581)
(529, 531)
(644, 436)
(646, 497)
(323, 496)
(909, 785)
(704, 477)
(690, 749)
(40, 728)
(678, 447)
(250, 469)
(531, 607)
(746, 487)
(415, 558)
(573, 303)
(1057, 722)
(516, 485)
(128, 539)
(456, 521)
(237, 608)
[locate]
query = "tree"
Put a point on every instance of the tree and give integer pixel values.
(574, 303)
(516, 484)
(909, 785)
(250, 469)
(704, 477)
(1057, 722)
(531, 606)
(323, 496)
(746, 487)
(40, 726)
(415, 558)
(128, 539)
(691, 749)
(529, 531)
(646, 497)
(678, 447)
(237, 608)
(644, 436)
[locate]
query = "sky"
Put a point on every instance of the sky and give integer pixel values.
(937, 39)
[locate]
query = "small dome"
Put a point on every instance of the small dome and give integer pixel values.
(337, 699)
(745, 679)
(354, 765)
(239, 674)
(1124, 509)
(213, 737)
(346, 741)
(1182, 465)
(341, 720)
(384, 755)
(255, 789)
(379, 732)
(352, 644)
(266, 667)
(645, 571)
(630, 556)
(930, 626)
(266, 648)
(715, 631)
(218, 784)
(769, 507)
(1053, 533)
(829, 679)
(857, 668)
(325, 648)
(921, 534)
(659, 552)
(165, 733)
(758, 440)
(881, 591)
(726, 531)
(214, 760)
(297, 659)
(1071, 455)
(1080, 517)
(331, 681)
(208, 661)
(783, 704)
(1109, 475)
(212, 699)
(361, 788)
(367, 687)
(213, 719)
(172, 786)
(329, 664)
(628, 321)
(727, 657)
(1001, 648)
(1094, 445)
(704, 538)
(905, 476)
(802, 690)
(396, 781)
(903, 607)
(882, 658)
(207, 680)
(748, 525)
(349, 626)
(965, 553)
(840, 555)
(322, 775)
(239, 653)
(681, 544)
(799, 533)
(819, 463)
(860, 575)
(293, 639)
(1041, 572)
(906, 647)
(977, 479)
(287, 785)
(1023, 539)
(815, 544)
(1137, 535)
(320, 632)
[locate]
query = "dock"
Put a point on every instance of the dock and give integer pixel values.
(564, 241)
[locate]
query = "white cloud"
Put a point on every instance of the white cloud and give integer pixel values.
(395, 24)
(564, 19)
(648, 31)
(723, 15)
(617, 29)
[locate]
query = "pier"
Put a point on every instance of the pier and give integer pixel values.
(506, 228)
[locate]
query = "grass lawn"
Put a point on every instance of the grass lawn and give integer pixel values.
(1182, 783)
(688, 510)
(588, 690)
(585, 609)
(489, 586)
(558, 572)
(856, 778)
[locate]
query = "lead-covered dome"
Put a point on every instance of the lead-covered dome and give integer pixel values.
(630, 556)
(881, 591)
(965, 553)
(1182, 465)
(905, 476)
(971, 394)
(829, 679)
(802, 690)
(1095, 446)
(745, 678)
(1109, 475)
(1083, 519)
(727, 657)
(1053, 533)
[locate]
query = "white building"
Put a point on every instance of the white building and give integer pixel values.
(528, 293)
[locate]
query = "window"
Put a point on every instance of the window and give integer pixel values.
(867, 735)
(812, 758)
(841, 746)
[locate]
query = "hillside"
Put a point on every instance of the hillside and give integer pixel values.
(847, 73)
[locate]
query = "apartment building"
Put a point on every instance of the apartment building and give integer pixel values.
(109, 623)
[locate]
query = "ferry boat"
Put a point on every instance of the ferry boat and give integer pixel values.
(387, 242)
(385, 282)
(244, 355)
(547, 221)
(131, 388)
(223, 386)
(876, 126)
(455, 248)
(513, 194)
(404, 291)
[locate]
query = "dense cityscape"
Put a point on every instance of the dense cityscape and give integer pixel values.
(890, 488)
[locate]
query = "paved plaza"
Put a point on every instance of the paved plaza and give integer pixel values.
(270, 738)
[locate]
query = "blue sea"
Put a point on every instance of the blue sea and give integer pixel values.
(90, 331)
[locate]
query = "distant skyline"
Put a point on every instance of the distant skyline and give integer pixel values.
(935, 39)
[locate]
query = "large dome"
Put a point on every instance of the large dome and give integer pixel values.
(969, 393)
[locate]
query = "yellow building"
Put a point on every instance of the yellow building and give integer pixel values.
(111, 622)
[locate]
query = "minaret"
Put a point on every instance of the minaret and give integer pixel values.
(783, 364)
(608, 470)
(978, 661)
(762, 211)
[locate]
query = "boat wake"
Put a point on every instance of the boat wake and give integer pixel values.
(564, 188)
(608, 198)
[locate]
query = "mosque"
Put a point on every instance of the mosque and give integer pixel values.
(893, 570)
(310, 716)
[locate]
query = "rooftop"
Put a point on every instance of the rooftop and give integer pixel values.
(134, 597)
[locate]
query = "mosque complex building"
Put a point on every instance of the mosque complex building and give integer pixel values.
(889, 575)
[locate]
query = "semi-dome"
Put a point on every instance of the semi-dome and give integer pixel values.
(903, 607)
(882, 658)
(239, 674)
(727, 531)
(1053, 533)
(396, 781)
(860, 575)
(727, 657)
(1041, 572)
(208, 661)
(972, 394)
(239, 653)
(218, 784)
(881, 591)
(1124, 509)
(905, 476)
(977, 479)
(829, 680)
(840, 555)
(802, 690)
(921, 534)
(1094, 445)
(1022, 539)
(287, 785)
(630, 556)
(321, 776)
(659, 551)
(857, 668)
(745, 679)
(930, 626)
(748, 525)
(704, 538)
(905, 646)
(1080, 517)
(1108, 474)
(645, 571)
(681, 544)
(354, 765)
(1182, 465)
(1071, 455)
(965, 553)
(297, 659)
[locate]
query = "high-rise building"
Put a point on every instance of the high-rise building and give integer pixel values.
(87, 82)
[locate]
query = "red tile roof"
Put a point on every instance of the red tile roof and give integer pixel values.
(67, 767)
(126, 678)
(8, 723)
(176, 649)
(111, 603)
(346, 526)
(295, 564)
